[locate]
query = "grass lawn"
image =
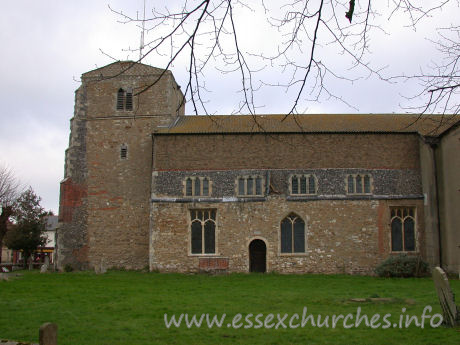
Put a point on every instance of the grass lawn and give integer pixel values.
(128, 308)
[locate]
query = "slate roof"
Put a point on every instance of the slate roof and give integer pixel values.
(432, 125)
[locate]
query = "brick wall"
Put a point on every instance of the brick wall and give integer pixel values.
(71, 196)
(286, 151)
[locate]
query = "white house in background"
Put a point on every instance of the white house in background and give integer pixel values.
(50, 234)
(48, 249)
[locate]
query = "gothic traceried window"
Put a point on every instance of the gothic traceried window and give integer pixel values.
(403, 229)
(203, 231)
(292, 234)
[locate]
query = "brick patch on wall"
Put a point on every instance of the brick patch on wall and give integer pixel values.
(213, 264)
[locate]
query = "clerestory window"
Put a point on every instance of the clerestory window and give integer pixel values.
(197, 186)
(303, 185)
(250, 186)
(359, 184)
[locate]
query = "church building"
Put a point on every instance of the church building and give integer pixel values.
(147, 186)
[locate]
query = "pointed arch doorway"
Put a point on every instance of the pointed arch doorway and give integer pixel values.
(257, 256)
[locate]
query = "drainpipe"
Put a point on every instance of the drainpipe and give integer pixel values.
(267, 184)
(433, 146)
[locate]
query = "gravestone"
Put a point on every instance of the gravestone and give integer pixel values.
(100, 269)
(47, 334)
(44, 268)
(450, 311)
(4, 276)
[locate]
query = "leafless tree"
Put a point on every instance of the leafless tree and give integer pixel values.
(10, 189)
(440, 83)
(301, 38)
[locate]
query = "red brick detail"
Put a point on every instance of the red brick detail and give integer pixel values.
(213, 263)
(71, 196)
(101, 192)
(81, 254)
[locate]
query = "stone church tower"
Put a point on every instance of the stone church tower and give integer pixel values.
(104, 202)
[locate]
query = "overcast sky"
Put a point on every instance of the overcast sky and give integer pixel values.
(47, 45)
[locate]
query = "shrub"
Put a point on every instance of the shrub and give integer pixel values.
(68, 268)
(402, 266)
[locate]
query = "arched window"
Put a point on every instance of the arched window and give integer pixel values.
(351, 184)
(203, 231)
(250, 186)
(359, 184)
(241, 186)
(303, 185)
(205, 186)
(197, 190)
(292, 234)
(367, 184)
(188, 187)
(402, 229)
(311, 185)
(295, 184)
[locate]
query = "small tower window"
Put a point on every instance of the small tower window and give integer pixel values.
(120, 99)
(124, 151)
(125, 99)
(129, 99)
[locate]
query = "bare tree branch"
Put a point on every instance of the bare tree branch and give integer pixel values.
(206, 34)
(10, 188)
